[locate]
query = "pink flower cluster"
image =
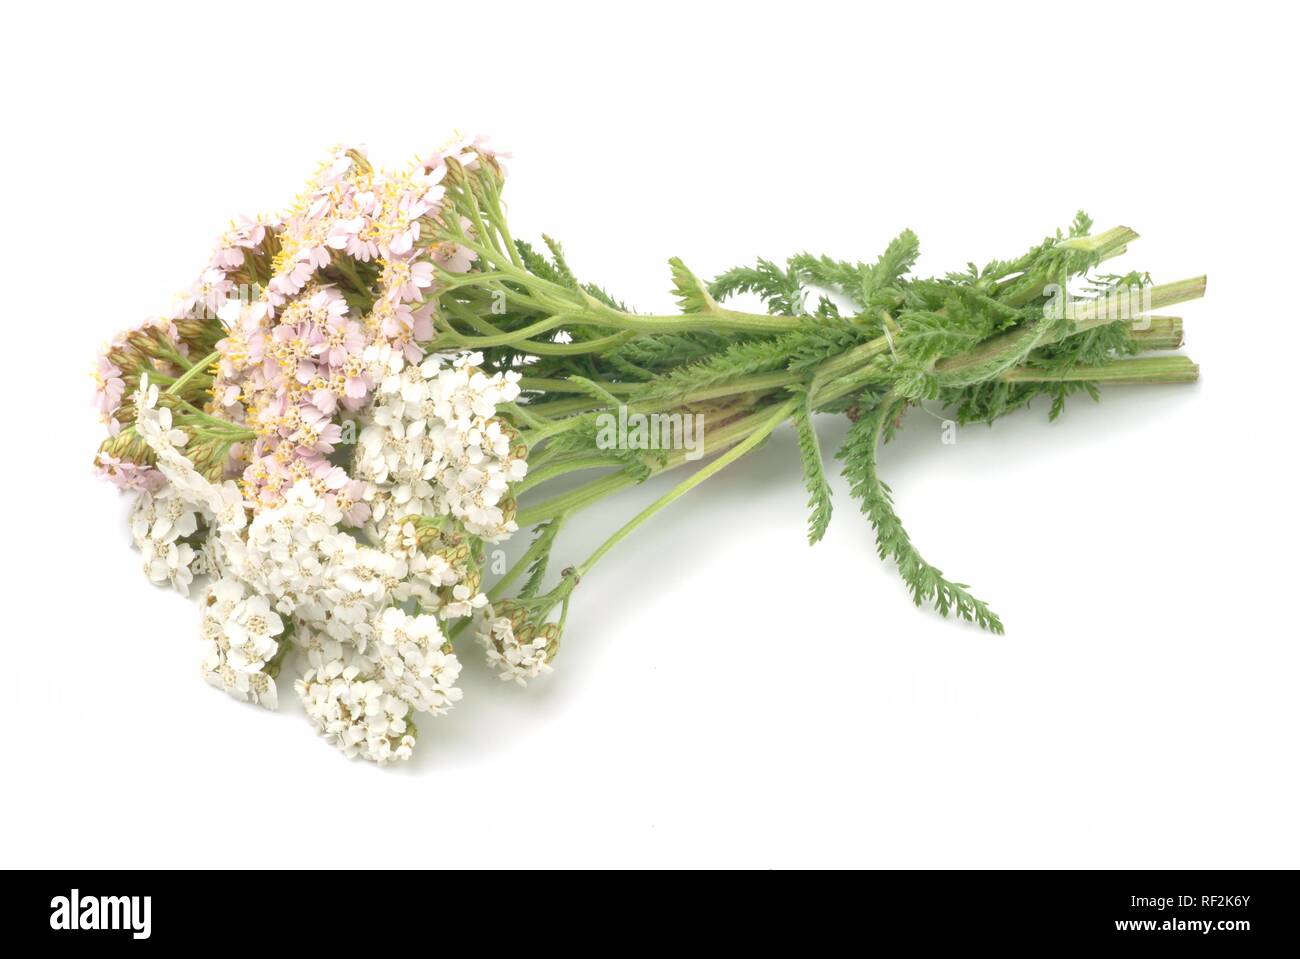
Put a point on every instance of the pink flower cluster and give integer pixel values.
(109, 388)
(340, 286)
(151, 343)
(129, 349)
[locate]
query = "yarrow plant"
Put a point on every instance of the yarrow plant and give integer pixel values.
(357, 398)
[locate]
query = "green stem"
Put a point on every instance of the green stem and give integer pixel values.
(575, 499)
(753, 383)
(194, 371)
(496, 215)
(594, 313)
(988, 356)
(537, 546)
(1105, 245)
(765, 429)
(563, 467)
(1154, 369)
(216, 425)
(1159, 333)
(550, 385)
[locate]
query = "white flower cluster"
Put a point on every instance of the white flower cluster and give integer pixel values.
(373, 662)
(433, 445)
(356, 714)
(237, 637)
(316, 573)
(188, 507)
(436, 465)
(158, 523)
(515, 649)
(409, 651)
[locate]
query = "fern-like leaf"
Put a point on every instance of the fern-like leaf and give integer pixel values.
(814, 475)
(544, 541)
(925, 582)
(927, 336)
(781, 289)
(595, 391)
(843, 277)
(897, 260)
(692, 295)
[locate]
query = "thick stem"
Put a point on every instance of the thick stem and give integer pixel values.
(1154, 369)
(593, 490)
(1105, 245)
(753, 383)
(1159, 333)
(1084, 317)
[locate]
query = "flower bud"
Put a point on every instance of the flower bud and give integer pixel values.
(129, 447)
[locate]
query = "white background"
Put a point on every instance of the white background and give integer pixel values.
(726, 695)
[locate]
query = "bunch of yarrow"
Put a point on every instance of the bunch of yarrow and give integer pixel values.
(358, 399)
